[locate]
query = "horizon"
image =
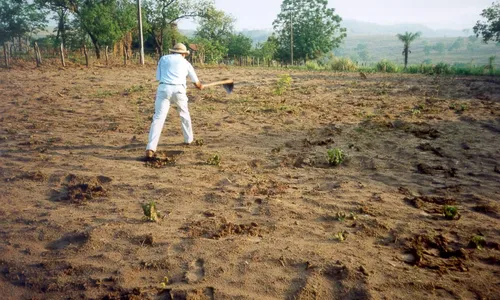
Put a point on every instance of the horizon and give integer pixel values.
(434, 14)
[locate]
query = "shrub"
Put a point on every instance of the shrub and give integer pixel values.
(313, 65)
(283, 84)
(343, 64)
(451, 212)
(442, 68)
(335, 156)
(387, 66)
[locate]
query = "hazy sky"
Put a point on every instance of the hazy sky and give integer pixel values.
(437, 14)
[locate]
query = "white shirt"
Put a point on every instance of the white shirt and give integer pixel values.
(174, 68)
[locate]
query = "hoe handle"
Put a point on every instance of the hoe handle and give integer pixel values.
(227, 81)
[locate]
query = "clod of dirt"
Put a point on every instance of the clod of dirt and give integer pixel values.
(433, 170)
(216, 228)
(161, 159)
(147, 240)
(425, 132)
(428, 148)
(81, 189)
(422, 251)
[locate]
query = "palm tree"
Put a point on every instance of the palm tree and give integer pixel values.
(407, 38)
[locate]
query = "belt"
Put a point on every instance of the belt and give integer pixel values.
(171, 83)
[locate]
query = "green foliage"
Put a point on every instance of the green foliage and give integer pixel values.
(214, 34)
(450, 212)
(316, 29)
(214, 160)
(283, 84)
(19, 18)
(342, 64)
(442, 68)
(335, 156)
(407, 38)
(268, 49)
(313, 65)
(489, 29)
(477, 241)
(387, 66)
(239, 45)
(161, 17)
(150, 212)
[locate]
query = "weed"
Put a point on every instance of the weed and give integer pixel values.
(343, 64)
(335, 156)
(341, 236)
(387, 66)
(164, 283)
(150, 212)
(199, 142)
(283, 84)
(477, 241)
(214, 160)
(451, 212)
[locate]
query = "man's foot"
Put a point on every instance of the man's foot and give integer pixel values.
(149, 154)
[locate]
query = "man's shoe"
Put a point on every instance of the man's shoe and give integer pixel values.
(150, 154)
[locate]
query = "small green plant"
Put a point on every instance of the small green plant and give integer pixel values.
(283, 84)
(477, 241)
(343, 64)
(150, 212)
(387, 66)
(164, 283)
(451, 212)
(214, 160)
(335, 156)
(341, 236)
(199, 142)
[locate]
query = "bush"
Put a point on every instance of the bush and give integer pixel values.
(335, 156)
(343, 64)
(283, 84)
(313, 65)
(442, 68)
(387, 66)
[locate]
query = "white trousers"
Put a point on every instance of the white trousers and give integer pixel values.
(166, 95)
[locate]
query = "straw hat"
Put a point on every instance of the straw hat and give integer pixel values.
(179, 48)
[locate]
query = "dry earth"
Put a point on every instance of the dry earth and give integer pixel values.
(274, 220)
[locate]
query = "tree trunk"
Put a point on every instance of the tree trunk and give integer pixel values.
(96, 46)
(62, 56)
(86, 55)
(6, 54)
(406, 56)
(37, 58)
(106, 54)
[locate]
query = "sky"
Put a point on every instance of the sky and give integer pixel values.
(436, 14)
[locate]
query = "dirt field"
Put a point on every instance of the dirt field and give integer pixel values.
(273, 220)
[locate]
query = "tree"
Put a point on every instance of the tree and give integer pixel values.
(62, 12)
(407, 39)
(106, 22)
(316, 29)
(161, 17)
(239, 45)
(490, 29)
(439, 47)
(214, 33)
(19, 18)
(459, 43)
(268, 49)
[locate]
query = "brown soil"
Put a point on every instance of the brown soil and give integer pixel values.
(252, 209)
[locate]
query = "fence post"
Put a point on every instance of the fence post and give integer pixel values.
(35, 46)
(106, 54)
(124, 55)
(6, 54)
(62, 55)
(86, 55)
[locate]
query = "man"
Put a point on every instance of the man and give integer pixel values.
(172, 71)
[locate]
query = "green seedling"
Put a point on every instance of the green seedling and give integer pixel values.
(477, 241)
(199, 142)
(451, 212)
(164, 283)
(341, 236)
(283, 84)
(214, 160)
(150, 212)
(335, 156)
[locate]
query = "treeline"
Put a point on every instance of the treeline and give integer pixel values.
(301, 32)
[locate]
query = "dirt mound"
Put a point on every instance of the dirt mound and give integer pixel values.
(80, 189)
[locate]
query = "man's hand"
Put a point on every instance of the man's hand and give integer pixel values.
(198, 85)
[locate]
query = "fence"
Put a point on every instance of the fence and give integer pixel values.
(43, 55)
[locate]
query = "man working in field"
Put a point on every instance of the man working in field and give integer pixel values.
(172, 72)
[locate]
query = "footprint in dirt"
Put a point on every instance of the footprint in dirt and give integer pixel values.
(196, 271)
